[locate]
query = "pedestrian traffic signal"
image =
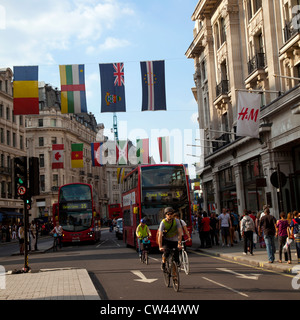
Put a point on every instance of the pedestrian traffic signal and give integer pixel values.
(20, 172)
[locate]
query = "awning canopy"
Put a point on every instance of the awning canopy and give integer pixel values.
(10, 214)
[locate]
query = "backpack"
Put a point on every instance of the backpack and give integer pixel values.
(248, 223)
(296, 228)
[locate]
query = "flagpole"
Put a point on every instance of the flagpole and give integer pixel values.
(258, 91)
(286, 77)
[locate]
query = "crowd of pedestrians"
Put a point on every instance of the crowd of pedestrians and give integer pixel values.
(254, 229)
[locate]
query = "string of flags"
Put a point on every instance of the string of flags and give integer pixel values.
(110, 152)
(73, 89)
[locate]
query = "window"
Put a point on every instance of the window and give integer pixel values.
(1, 110)
(41, 141)
(14, 140)
(2, 135)
(55, 180)
(53, 122)
(7, 114)
(42, 182)
(21, 143)
(2, 161)
(223, 30)
(41, 122)
(42, 160)
(54, 140)
(8, 137)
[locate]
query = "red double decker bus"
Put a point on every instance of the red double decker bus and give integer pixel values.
(147, 190)
(77, 211)
(114, 211)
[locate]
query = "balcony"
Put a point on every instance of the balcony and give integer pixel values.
(290, 31)
(222, 88)
(258, 62)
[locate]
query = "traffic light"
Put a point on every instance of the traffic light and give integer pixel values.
(20, 171)
(28, 203)
(34, 176)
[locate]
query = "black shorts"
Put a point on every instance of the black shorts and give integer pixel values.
(168, 246)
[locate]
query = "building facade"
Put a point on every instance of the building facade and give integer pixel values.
(12, 144)
(243, 46)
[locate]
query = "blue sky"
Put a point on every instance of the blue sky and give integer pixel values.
(53, 32)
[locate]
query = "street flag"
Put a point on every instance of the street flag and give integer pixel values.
(142, 151)
(77, 155)
(122, 152)
(112, 87)
(120, 175)
(248, 114)
(164, 149)
(73, 96)
(97, 154)
(153, 85)
(26, 90)
(58, 156)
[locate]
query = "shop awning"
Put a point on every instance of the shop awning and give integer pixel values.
(10, 214)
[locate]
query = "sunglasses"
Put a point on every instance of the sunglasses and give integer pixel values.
(169, 213)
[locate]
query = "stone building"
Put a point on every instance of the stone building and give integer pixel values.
(243, 46)
(12, 144)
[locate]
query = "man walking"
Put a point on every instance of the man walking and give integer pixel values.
(267, 224)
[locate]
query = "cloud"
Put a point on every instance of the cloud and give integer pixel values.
(35, 30)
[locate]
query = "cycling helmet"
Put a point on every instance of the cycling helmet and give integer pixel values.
(169, 209)
(143, 220)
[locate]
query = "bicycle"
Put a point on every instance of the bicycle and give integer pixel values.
(55, 241)
(184, 259)
(171, 271)
(146, 244)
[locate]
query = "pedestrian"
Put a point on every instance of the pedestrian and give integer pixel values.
(214, 231)
(14, 232)
(224, 225)
(267, 225)
(183, 226)
(234, 227)
(260, 236)
(295, 232)
(33, 233)
(205, 222)
(21, 237)
(247, 229)
(282, 226)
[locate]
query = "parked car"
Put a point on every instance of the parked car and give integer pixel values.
(119, 228)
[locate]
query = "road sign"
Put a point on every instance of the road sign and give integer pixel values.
(21, 191)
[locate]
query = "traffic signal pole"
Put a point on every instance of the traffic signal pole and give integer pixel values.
(26, 234)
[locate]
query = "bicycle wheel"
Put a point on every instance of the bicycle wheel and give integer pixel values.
(185, 262)
(175, 276)
(167, 274)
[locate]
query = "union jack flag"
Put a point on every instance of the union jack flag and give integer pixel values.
(119, 74)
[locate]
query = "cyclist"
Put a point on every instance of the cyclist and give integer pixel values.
(169, 236)
(142, 231)
(58, 230)
(183, 225)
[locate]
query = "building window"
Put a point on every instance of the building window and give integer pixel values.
(1, 110)
(55, 180)
(21, 143)
(223, 30)
(41, 122)
(41, 141)
(54, 140)
(2, 135)
(7, 114)
(14, 140)
(42, 182)
(53, 122)
(8, 137)
(42, 160)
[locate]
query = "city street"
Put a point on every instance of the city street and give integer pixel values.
(117, 274)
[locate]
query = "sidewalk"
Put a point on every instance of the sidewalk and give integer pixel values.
(47, 284)
(259, 258)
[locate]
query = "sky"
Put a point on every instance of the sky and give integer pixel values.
(50, 33)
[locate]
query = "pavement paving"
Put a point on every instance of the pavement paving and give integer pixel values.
(75, 284)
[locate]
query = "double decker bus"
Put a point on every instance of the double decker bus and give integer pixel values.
(147, 190)
(114, 211)
(77, 211)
